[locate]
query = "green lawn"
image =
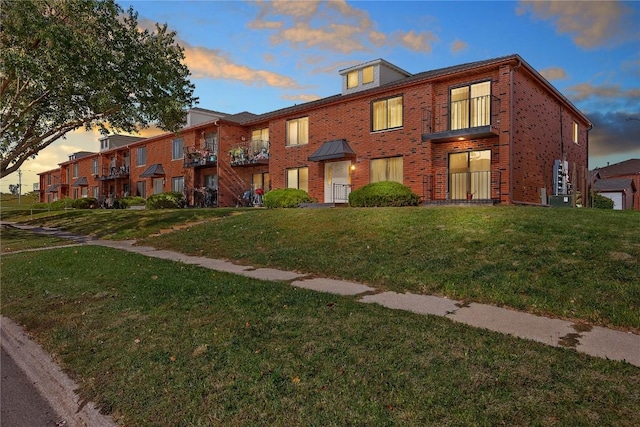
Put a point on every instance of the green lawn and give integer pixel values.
(160, 343)
(577, 264)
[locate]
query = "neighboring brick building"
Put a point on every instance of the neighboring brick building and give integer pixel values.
(620, 182)
(491, 131)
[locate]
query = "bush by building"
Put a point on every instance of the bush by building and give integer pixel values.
(384, 193)
(286, 198)
(169, 200)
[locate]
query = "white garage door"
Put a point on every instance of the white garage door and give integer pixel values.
(617, 200)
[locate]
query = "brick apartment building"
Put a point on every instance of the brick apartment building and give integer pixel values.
(491, 131)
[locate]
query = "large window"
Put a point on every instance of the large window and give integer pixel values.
(261, 180)
(141, 156)
(386, 114)
(178, 149)
(298, 178)
(388, 169)
(260, 140)
(298, 131)
(141, 189)
(470, 106)
(470, 175)
(177, 184)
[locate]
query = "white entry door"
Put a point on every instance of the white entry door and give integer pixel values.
(336, 182)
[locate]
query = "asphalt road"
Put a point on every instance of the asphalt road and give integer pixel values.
(20, 403)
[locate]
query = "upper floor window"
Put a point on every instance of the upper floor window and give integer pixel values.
(367, 75)
(178, 149)
(352, 79)
(386, 114)
(260, 140)
(388, 169)
(298, 178)
(211, 142)
(298, 131)
(75, 170)
(470, 106)
(94, 167)
(141, 156)
(575, 133)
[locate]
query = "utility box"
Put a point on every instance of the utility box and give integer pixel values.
(561, 201)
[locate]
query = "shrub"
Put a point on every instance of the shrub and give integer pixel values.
(127, 202)
(384, 193)
(285, 198)
(601, 202)
(85, 203)
(169, 200)
(61, 204)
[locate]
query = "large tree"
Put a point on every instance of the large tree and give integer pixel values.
(69, 64)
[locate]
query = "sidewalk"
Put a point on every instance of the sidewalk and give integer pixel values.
(595, 341)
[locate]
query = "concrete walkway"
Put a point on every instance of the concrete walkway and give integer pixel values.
(594, 341)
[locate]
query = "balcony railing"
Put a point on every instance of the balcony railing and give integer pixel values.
(251, 153)
(114, 172)
(472, 187)
(473, 118)
(194, 157)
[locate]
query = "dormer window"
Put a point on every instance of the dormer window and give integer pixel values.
(352, 79)
(369, 75)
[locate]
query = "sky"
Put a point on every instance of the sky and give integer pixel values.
(261, 56)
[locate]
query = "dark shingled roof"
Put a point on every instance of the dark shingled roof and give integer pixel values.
(337, 149)
(628, 167)
(153, 171)
(81, 182)
(619, 184)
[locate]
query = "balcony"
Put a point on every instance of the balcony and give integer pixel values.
(465, 119)
(114, 172)
(194, 158)
(251, 153)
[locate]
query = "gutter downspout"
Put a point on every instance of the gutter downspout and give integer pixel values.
(588, 174)
(511, 119)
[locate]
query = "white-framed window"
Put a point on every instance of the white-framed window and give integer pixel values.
(386, 114)
(94, 166)
(470, 106)
(177, 184)
(75, 170)
(387, 169)
(298, 178)
(158, 185)
(141, 156)
(260, 140)
(367, 75)
(298, 131)
(95, 192)
(575, 133)
(177, 153)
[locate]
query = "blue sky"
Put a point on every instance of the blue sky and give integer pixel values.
(261, 56)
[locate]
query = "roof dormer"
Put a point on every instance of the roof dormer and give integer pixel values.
(370, 75)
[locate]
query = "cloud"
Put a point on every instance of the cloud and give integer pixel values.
(585, 91)
(554, 73)
(301, 97)
(334, 26)
(590, 23)
(419, 42)
(614, 133)
(458, 46)
(213, 64)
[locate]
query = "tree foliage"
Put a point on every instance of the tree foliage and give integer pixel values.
(68, 64)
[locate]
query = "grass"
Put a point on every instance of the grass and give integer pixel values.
(161, 343)
(579, 264)
(13, 240)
